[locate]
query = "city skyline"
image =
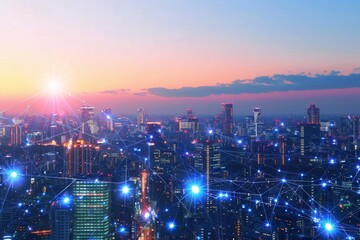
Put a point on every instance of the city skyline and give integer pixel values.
(168, 56)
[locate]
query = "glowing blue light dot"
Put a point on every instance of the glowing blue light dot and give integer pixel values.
(125, 190)
(267, 224)
(122, 229)
(66, 200)
(195, 189)
(171, 225)
(13, 174)
(332, 161)
(302, 174)
(324, 184)
(283, 180)
(328, 227)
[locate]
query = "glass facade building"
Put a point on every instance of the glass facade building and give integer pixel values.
(91, 215)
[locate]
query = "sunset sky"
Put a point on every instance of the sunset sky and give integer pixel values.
(166, 56)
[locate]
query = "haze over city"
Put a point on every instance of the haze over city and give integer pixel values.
(166, 56)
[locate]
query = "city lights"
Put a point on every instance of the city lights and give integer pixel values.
(183, 175)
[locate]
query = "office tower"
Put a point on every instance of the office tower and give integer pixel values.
(89, 126)
(313, 113)
(207, 162)
(309, 138)
(91, 210)
(188, 123)
(79, 156)
(15, 135)
(87, 113)
(140, 118)
(60, 216)
(257, 121)
(227, 112)
(109, 124)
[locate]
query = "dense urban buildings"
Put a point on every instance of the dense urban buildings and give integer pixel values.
(98, 176)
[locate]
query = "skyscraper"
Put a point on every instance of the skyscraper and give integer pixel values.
(89, 125)
(140, 117)
(79, 157)
(313, 113)
(227, 112)
(15, 135)
(207, 162)
(91, 213)
(257, 122)
(60, 215)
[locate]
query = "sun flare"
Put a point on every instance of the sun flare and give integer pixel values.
(53, 86)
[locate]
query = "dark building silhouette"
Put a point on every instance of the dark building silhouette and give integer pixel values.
(313, 113)
(227, 113)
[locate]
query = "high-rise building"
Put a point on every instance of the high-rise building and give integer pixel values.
(257, 121)
(91, 210)
(188, 122)
(309, 137)
(89, 125)
(207, 161)
(109, 124)
(60, 216)
(79, 157)
(140, 118)
(313, 113)
(227, 112)
(15, 135)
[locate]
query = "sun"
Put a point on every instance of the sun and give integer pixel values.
(53, 86)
